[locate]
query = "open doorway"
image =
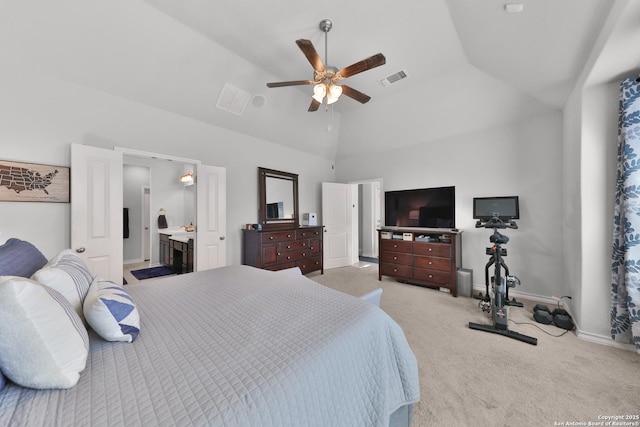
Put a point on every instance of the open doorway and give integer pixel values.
(369, 218)
(151, 186)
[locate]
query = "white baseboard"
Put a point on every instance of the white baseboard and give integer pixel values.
(132, 261)
(603, 340)
(586, 336)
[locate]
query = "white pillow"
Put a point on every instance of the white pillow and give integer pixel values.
(67, 274)
(44, 343)
(111, 312)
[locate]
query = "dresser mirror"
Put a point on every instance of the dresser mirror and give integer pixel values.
(278, 206)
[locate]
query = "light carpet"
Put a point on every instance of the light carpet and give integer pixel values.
(474, 378)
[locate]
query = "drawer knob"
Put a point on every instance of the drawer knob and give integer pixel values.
(304, 244)
(270, 237)
(430, 262)
(395, 270)
(430, 249)
(288, 257)
(431, 276)
(288, 246)
(395, 258)
(288, 235)
(395, 246)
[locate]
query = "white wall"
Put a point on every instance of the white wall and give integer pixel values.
(590, 148)
(523, 159)
(590, 171)
(41, 116)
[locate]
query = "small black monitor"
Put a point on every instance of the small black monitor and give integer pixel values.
(506, 208)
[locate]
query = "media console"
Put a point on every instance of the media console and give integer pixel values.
(420, 256)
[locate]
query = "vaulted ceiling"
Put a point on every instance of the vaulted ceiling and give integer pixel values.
(470, 64)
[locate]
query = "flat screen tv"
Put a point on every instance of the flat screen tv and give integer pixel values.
(424, 207)
(506, 208)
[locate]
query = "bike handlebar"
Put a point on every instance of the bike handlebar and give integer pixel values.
(496, 222)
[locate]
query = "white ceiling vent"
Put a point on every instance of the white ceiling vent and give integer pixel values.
(393, 78)
(233, 99)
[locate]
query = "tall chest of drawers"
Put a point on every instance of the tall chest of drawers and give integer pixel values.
(284, 248)
(427, 257)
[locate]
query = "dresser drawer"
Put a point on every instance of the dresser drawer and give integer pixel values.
(278, 236)
(309, 265)
(397, 246)
(282, 266)
(396, 270)
(432, 249)
(396, 258)
(309, 234)
(294, 256)
(432, 276)
(295, 245)
(442, 264)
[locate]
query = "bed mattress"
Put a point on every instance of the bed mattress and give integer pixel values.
(236, 346)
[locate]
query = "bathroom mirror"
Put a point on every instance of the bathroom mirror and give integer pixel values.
(278, 205)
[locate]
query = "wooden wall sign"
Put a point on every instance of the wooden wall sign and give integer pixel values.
(32, 182)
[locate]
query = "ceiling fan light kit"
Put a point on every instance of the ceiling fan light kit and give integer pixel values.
(326, 78)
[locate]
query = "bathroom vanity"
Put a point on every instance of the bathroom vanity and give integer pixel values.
(176, 249)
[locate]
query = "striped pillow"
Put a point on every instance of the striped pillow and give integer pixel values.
(44, 343)
(67, 274)
(111, 312)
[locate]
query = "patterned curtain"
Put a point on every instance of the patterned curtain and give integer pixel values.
(625, 265)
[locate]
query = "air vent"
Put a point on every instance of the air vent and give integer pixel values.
(393, 78)
(233, 99)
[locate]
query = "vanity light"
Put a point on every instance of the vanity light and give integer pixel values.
(187, 178)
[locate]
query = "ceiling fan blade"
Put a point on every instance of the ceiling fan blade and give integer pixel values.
(291, 83)
(355, 94)
(314, 105)
(312, 55)
(364, 65)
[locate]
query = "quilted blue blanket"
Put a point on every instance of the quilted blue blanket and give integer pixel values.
(236, 346)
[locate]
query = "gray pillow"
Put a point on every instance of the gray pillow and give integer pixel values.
(20, 258)
(3, 380)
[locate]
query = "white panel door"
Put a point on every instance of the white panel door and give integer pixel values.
(96, 209)
(339, 209)
(211, 217)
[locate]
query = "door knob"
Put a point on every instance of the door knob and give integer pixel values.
(80, 249)
(221, 237)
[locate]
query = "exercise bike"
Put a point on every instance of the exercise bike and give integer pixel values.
(497, 301)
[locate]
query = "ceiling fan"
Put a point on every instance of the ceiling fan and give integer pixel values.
(326, 78)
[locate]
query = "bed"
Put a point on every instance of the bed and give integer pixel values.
(236, 346)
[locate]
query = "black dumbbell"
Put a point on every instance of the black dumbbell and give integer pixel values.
(542, 314)
(562, 319)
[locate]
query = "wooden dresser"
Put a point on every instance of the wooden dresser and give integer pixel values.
(284, 248)
(426, 257)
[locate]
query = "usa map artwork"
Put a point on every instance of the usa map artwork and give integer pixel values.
(30, 182)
